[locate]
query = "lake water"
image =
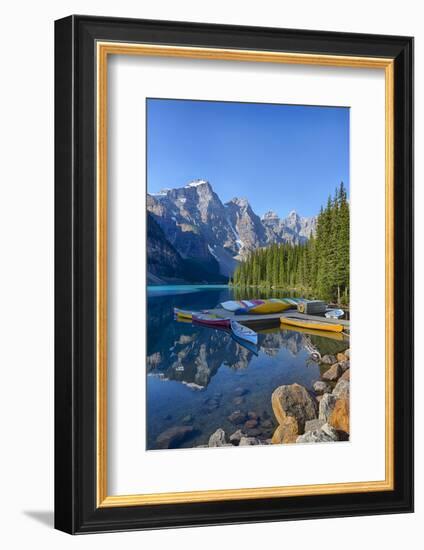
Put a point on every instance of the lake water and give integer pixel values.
(199, 376)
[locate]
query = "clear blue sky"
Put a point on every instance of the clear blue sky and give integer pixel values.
(280, 157)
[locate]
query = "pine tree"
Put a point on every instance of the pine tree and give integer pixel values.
(320, 266)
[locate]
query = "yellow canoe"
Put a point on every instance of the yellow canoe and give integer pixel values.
(304, 323)
(183, 314)
(270, 306)
(337, 336)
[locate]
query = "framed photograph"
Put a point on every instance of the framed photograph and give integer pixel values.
(233, 234)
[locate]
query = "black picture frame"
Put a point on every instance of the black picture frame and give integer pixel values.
(76, 510)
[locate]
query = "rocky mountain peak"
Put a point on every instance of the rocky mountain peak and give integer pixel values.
(201, 228)
(270, 216)
(199, 183)
(241, 202)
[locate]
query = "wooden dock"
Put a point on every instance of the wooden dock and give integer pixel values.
(273, 319)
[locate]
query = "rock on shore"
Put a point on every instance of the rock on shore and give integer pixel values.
(218, 438)
(305, 418)
(286, 432)
(326, 406)
(294, 400)
(302, 416)
(324, 434)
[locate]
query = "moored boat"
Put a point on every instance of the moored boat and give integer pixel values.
(306, 323)
(258, 307)
(337, 336)
(245, 333)
(244, 343)
(334, 313)
(210, 320)
(182, 313)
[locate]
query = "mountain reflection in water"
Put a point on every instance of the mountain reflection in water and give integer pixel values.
(195, 374)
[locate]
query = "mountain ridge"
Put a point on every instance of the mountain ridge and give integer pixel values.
(200, 227)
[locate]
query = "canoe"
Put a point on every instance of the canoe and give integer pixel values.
(273, 305)
(210, 320)
(337, 336)
(317, 325)
(334, 313)
(259, 307)
(245, 333)
(245, 344)
(183, 314)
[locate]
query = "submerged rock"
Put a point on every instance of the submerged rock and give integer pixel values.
(295, 401)
(218, 438)
(171, 437)
(239, 392)
(188, 419)
(326, 406)
(333, 373)
(237, 417)
(267, 424)
(254, 432)
(321, 387)
(252, 423)
(238, 401)
(325, 434)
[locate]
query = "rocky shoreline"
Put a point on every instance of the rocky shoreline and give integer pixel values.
(303, 416)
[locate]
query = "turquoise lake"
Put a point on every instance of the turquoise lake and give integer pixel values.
(199, 376)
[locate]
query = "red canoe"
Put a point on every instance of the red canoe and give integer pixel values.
(211, 321)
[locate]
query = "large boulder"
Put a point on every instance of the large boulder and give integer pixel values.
(325, 434)
(347, 353)
(339, 417)
(294, 400)
(218, 438)
(326, 406)
(172, 437)
(333, 373)
(286, 432)
(345, 375)
(341, 390)
(341, 357)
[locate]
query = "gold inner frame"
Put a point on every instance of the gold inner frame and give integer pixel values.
(104, 49)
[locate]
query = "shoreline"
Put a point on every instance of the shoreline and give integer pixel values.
(302, 416)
